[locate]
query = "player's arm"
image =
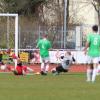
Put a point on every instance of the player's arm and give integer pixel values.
(38, 44)
(24, 73)
(86, 47)
(87, 44)
(73, 59)
(24, 69)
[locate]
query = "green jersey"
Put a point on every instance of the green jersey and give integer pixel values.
(94, 45)
(44, 45)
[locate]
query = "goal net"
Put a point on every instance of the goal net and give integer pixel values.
(9, 32)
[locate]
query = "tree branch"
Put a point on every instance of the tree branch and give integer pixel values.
(95, 6)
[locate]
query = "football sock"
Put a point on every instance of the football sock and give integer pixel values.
(47, 68)
(89, 73)
(42, 67)
(94, 74)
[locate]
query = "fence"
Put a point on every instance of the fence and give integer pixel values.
(75, 37)
(28, 37)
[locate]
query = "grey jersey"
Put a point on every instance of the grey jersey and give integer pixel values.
(66, 62)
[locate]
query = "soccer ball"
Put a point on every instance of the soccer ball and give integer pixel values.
(37, 73)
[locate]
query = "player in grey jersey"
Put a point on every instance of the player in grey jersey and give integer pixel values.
(65, 64)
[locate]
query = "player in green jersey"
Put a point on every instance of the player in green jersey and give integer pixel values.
(44, 45)
(92, 48)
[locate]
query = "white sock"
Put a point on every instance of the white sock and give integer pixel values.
(94, 74)
(47, 68)
(89, 74)
(98, 70)
(42, 67)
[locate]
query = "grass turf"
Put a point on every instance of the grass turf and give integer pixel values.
(71, 86)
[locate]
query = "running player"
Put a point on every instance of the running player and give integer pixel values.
(92, 48)
(44, 45)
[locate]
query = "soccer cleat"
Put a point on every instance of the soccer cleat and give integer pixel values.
(88, 80)
(53, 71)
(43, 73)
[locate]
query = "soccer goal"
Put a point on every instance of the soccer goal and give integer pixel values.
(9, 32)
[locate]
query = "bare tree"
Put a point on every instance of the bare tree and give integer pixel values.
(96, 4)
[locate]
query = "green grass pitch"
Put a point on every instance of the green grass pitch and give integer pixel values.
(71, 86)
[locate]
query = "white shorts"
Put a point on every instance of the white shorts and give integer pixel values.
(92, 60)
(45, 59)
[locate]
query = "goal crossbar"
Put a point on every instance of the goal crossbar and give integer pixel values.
(7, 14)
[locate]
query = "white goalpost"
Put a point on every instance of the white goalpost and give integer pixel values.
(15, 31)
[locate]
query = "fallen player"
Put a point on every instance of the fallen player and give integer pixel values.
(66, 61)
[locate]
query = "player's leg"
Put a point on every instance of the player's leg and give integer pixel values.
(59, 69)
(30, 69)
(89, 72)
(56, 69)
(46, 64)
(15, 72)
(89, 69)
(95, 65)
(43, 67)
(98, 69)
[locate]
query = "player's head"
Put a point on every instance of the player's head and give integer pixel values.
(95, 28)
(19, 64)
(45, 35)
(68, 53)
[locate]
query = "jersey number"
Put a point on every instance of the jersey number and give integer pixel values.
(95, 41)
(43, 47)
